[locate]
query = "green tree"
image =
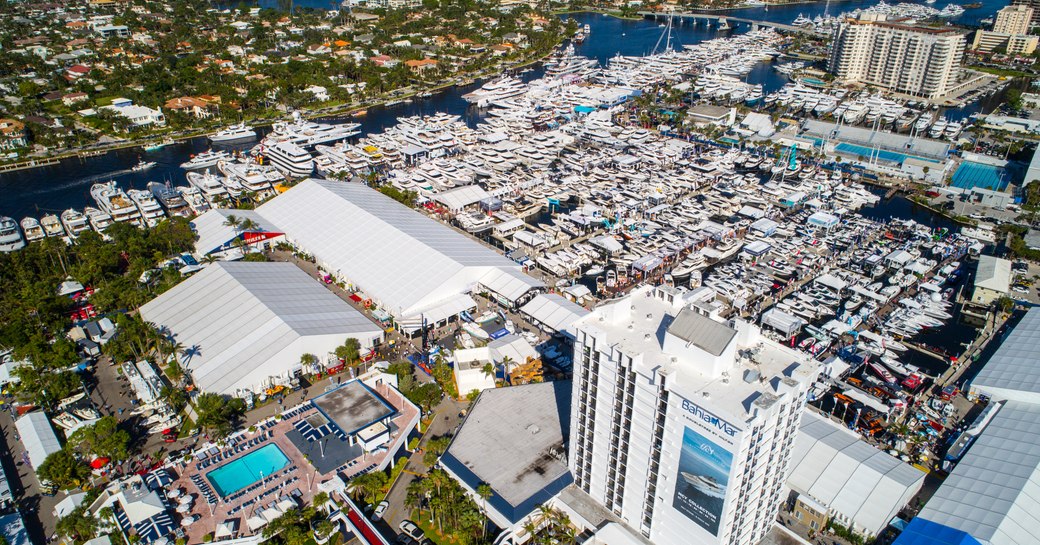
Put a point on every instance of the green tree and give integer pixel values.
(368, 486)
(102, 439)
(217, 413)
(63, 470)
(78, 525)
(434, 448)
(349, 352)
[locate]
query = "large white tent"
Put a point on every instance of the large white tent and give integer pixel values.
(244, 325)
(407, 263)
(38, 437)
(857, 482)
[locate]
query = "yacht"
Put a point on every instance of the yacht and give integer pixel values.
(151, 212)
(205, 159)
(234, 133)
(196, 202)
(75, 222)
(114, 202)
(33, 231)
(258, 179)
(307, 134)
(52, 225)
(98, 220)
(291, 159)
(704, 484)
(142, 166)
(209, 186)
(170, 199)
(10, 236)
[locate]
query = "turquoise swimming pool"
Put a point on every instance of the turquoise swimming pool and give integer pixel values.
(883, 155)
(242, 472)
(971, 175)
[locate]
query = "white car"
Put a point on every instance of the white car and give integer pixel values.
(1019, 289)
(380, 510)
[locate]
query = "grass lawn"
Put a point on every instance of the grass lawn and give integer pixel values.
(432, 534)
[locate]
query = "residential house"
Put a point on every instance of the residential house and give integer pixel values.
(385, 61)
(73, 98)
(193, 106)
(421, 66)
(76, 71)
(112, 31)
(320, 93)
(139, 116)
(319, 49)
(13, 134)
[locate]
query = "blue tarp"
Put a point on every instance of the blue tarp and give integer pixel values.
(926, 532)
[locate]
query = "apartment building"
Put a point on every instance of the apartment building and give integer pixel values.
(1010, 33)
(1034, 5)
(918, 61)
(1013, 20)
(682, 424)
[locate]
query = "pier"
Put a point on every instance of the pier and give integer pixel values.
(725, 22)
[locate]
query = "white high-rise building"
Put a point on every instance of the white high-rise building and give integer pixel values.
(919, 61)
(681, 424)
(1013, 20)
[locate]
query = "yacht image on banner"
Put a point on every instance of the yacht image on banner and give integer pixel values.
(700, 490)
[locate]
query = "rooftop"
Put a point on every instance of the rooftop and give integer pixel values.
(993, 273)
(353, 406)
(1012, 371)
(513, 439)
(703, 332)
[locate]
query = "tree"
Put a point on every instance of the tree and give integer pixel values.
(425, 396)
(485, 492)
(349, 352)
(102, 439)
(368, 486)
(77, 525)
(308, 360)
(488, 369)
(217, 413)
(63, 470)
(434, 448)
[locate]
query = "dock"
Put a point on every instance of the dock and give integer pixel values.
(725, 22)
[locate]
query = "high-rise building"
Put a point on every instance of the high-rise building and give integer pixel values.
(919, 61)
(1013, 20)
(682, 424)
(1034, 4)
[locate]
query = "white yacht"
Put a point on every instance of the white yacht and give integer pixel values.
(205, 159)
(291, 159)
(256, 178)
(209, 186)
(308, 134)
(75, 222)
(112, 200)
(170, 199)
(196, 202)
(98, 220)
(151, 212)
(33, 231)
(10, 236)
(52, 225)
(234, 133)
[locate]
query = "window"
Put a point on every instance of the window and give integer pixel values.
(798, 515)
(813, 525)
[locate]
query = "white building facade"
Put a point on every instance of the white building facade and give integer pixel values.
(919, 61)
(682, 426)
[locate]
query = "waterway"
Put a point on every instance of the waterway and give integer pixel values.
(67, 184)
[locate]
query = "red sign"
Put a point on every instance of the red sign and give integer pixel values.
(255, 237)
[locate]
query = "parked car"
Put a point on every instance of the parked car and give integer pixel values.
(380, 510)
(411, 530)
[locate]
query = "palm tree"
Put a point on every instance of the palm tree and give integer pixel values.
(489, 370)
(484, 491)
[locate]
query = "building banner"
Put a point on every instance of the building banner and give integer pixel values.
(700, 490)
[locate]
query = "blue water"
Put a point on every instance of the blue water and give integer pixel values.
(250, 468)
(870, 153)
(67, 185)
(971, 175)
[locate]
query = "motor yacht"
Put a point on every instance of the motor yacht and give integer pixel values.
(31, 228)
(151, 212)
(235, 133)
(75, 222)
(10, 235)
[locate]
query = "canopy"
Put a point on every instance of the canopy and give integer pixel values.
(647, 263)
(831, 281)
(160, 478)
(788, 324)
(226, 528)
(255, 523)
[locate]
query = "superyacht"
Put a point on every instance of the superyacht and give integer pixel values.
(234, 133)
(33, 231)
(10, 236)
(151, 212)
(170, 199)
(112, 200)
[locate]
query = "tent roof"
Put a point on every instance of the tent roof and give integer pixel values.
(510, 283)
(1012, 372)
(235, 317)
(993, 273)
(993, 493)
(555, 312)
(37, 436)
(461, 197)
(214, 234)
(402, 259)
(833, 466)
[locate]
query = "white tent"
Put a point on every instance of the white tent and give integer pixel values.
(37, 436)
(244, 323)
(554, 312)
(228, 528)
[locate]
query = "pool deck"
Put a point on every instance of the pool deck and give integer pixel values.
(298, 482)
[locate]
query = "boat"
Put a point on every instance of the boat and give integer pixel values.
(151, 212)
(31, 228)
(52, 225)
(209, 186)
(142, 166)
(704, 484)
(235, 133)
(307, 134)
(75, 222)
(205, 159)
(595, 270)
(170, 199)
(158, 145)
(112, 200)
(10, 236)
(99, 220)
(291, 159)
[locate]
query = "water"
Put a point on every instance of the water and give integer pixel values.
(250, 468)
(67, 185)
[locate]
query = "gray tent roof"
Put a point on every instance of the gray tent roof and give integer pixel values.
(707, 334)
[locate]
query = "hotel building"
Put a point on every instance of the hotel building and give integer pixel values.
(918, 61)
(682, 424)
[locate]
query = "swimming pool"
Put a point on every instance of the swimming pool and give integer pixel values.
(884, 155)
(242, 472)
(971, 174)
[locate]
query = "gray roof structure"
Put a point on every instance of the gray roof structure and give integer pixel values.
(707, 334)
(513, 439)
(38, 437)
(215, 235)
(1012, 371)
(993, 493)
(993, 273)
(833, 466)
(932, 149)
(401, 259)
(243, 323)
(554, 311)
(354, 406)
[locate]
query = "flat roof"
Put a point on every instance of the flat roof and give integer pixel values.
(354, 406)
(514, 440)
(38, 437)
(993, 273)
(707, 334)
(1012, 371)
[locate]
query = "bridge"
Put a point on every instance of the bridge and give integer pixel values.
(725, 22)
